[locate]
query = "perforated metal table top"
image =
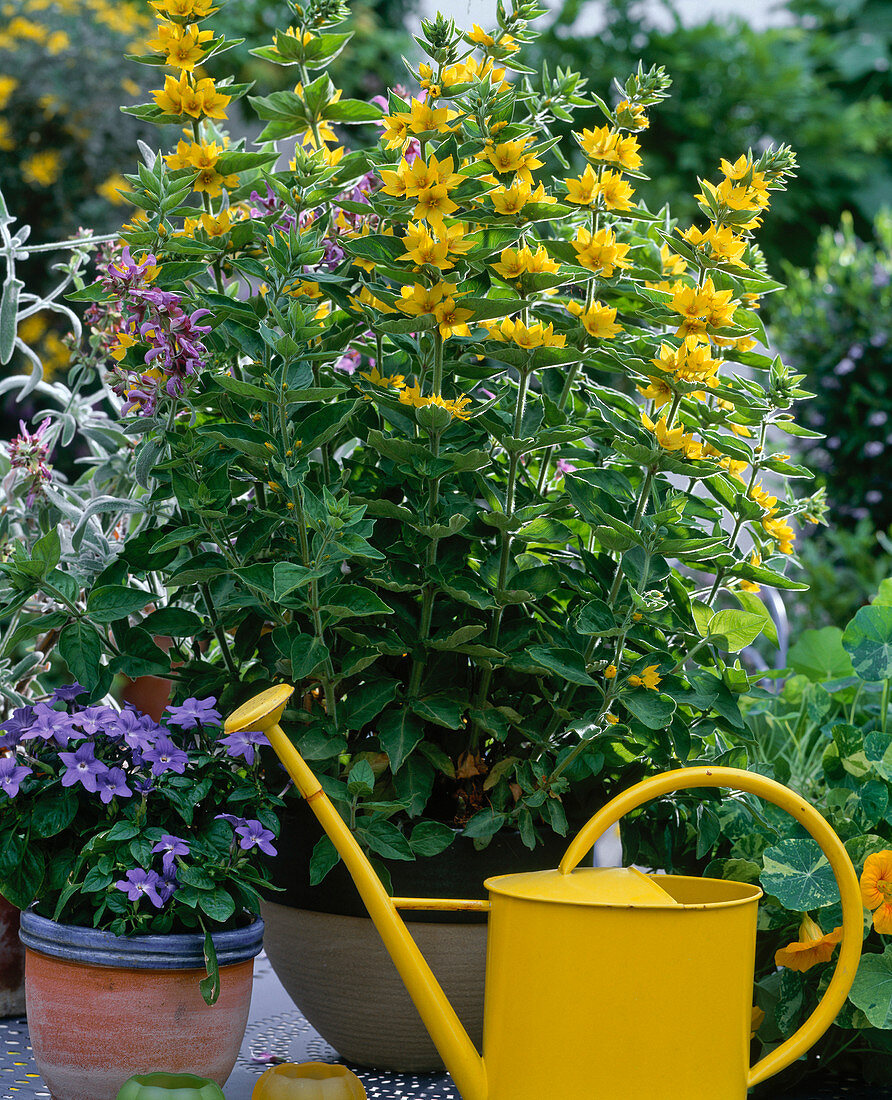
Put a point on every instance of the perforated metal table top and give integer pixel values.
(277, 1032)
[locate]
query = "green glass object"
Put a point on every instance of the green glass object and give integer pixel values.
(169, 1086)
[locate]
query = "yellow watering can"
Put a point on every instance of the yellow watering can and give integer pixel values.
(600, 982)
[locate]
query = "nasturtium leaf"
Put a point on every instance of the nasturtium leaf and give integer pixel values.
(868, 641)
(878, 753)
(797, 873)
(566, 663)
(732, 630)
(872, 989)
(819, 655)
(399, 731)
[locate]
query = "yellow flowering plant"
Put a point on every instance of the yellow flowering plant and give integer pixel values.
(468, 445)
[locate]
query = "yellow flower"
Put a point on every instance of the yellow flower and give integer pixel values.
(510, 156)
(631, 115)
(600, 252)
(611, 718)
(394, 381)
(876, 889)
(615, 192)
(421, 118)
(8, 85)
(478, 34)
(781, 532)
(751, 586)
(702, 306)
(124, 341)
(762, 497)
(183, 46)
(423, 248)
(812, 947)
(648, 678)
(691, 362)
(657, 391)
(419, 299)
(511, 200)
(452, 319)
(190, 10)
(411, 395)
(719, 243)
(600, 322)
(584, 190)
(610, 672)
(599, 144)
(216, 225)
(529, 337)
(433, 205)
(42, 169)
(670, 439)
(177, 97)
(111, 189)
(213, 103)
(512, 263)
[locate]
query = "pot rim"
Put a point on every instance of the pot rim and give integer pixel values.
(169, 951)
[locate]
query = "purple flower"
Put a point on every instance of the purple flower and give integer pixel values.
(82, 767)
(138, 883)
(230, 819)
(167, 887)
(67, 693)
(564, 467)
(11, 775)
(111, 784)
(171, 846)
(164, 756)
(28, 453)
(242, 742)
(194, 712)
(95, 720)
(143, 785)
(138, 730)
(126, 273)
(49, 725)
(253, 835)
(14, 727)
(348, 362)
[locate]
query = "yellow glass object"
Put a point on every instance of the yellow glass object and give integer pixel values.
(308, 1081)
(600, 982)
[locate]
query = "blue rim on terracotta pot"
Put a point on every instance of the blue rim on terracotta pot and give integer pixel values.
(172, 951)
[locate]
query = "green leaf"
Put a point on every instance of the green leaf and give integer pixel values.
(429, 838)
(819, 655)
(21, 885)
(484, 824)
(324, 857)
(210, 985)
(81, 649)
(218, 904)
(750, 602)
(307, 654)
(386, 840)
(173, 622)
(565, 663)
(797, 873)
(649, 707)
(732, 630)
(872, 989)
(345, 600)
(596, 618)
(439, 709)
(399, 731)
(288, 577)
(366, 702)
(48, 549)
(868, 641)
(361, 779)
(53, 812)
(114, 601)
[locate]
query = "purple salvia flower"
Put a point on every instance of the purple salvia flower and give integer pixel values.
(164, 756)
(171, 846)
(113, 784)
(253, 835)
(194, 712)
(242, 742)
(11, 775)
(125, 273)
(82, 767)
(140, 883)
(28, 454)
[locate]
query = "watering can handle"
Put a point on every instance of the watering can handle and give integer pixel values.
(832, 847)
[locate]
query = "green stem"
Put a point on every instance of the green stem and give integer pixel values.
(562, 401)
(884, 704)
(219, 632)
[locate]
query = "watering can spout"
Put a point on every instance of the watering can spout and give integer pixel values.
(459, 1054)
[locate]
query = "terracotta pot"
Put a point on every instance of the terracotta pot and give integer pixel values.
(330, 959)
(12, 962)
(102, 1007)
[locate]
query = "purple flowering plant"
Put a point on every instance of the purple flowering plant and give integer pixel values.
(111, 820)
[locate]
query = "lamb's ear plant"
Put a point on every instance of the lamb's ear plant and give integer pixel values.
(471, 449)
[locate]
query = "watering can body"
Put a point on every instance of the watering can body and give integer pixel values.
(600, 982)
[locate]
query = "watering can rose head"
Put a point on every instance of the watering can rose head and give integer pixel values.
(132, 815)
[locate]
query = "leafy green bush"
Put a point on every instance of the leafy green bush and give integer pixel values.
(734, 87)
(835, 324)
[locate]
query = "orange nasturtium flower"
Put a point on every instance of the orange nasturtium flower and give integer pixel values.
(876, 889)
(812, 947)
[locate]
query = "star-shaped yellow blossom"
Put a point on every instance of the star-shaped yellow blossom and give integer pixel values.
(762, 497)
(396, 131)
(423, 248)
(421, 118)
(702, 306)
(600, 252)
(392, 381)
(183, 45)
(187, 10)
(510, 156)
(433, 204)
(512, 263)
(452, 319)
(511, 200)
(599, 143)
(540, 262)
(600, 321)
(216, 225)
(631, 115)
(648, 678)
(419, 299)
(657, 391)
(614, 192)
(125, 341)
(478, 34)
(412, 395)
(366, 298)
(626, 152)
(719, 243)
(610, 672)
(395, 183)
(751, 586)
(691, 362)
(583, 191)
(670, 439)
(532, 336)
